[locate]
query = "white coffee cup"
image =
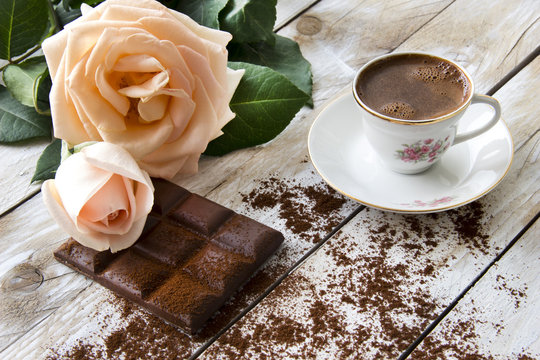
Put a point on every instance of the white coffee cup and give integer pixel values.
(410, 146)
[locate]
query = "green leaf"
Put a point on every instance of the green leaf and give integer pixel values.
(19, 122)
(66, 16)
(76, 4)
(41, 93)
(265, 102)
(249, 20)
(285, 57)
(21, 79)
(48, 162)
(22, 25)
(205, 12)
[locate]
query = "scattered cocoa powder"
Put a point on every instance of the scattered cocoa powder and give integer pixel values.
(371, 286)
(368, 285)
(468, 223)
(143, 336)
(306, 210)
(516, 294)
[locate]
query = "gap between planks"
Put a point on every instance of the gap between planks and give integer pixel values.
(276, 283)
(296, 16)
(454, 302)
(312, 250)
(526, 61)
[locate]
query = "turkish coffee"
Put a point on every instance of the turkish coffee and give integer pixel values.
(413, 87)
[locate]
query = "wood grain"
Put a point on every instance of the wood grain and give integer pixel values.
(376, 285)
(288, 10)
(500, 314)
(335, 50)
(291, 165)
(457, 260)
(16, 171)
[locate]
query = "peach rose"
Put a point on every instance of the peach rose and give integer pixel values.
(100, 197)
(142, 76)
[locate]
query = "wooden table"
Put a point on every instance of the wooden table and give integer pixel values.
(353, 282)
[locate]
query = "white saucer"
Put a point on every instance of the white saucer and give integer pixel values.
(341, 154)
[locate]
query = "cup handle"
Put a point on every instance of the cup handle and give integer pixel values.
(486, 100)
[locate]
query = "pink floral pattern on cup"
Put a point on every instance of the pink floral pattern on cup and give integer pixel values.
(431, 203)
(423, 150)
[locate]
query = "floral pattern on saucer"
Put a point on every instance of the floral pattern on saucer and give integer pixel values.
(423, 150)
(435, 202)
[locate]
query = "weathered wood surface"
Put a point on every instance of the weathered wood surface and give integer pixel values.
(336, 39)
(410, 267)
(19, 161)
(502, 309)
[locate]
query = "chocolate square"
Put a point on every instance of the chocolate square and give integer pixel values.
(216, 267)
(135, 275)
(201, 215)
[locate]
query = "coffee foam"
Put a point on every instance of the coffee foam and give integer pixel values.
(438, 72)
(398, 109)
(435, 72)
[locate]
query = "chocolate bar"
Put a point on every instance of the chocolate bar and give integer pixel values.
(192, 256)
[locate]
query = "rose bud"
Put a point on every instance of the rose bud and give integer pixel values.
(100, 197)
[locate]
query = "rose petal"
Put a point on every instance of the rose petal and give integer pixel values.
(172, 157)
(180, 112)
(58, 213)
(114, 197)
(221, 38)
(129, 41)
(233, 79)
(138, 63)
(121, 242)
(63, 111)
(83, 38)
(200, 67)
(77, 181)
(115, 159)
(119, 102)
(86, 9)
(129, 12)
(53, 48)
(148, 88)
(90, 104)
(144, 198)
(142, 139)
(153, 108)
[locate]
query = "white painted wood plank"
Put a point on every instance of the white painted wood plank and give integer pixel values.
(291, 165)
(289, 9)
(16, 170)
(501, 312)
(375, 286)
(268, 162)
(32, 284)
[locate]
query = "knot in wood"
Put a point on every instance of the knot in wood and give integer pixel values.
(22, 279)
(309, 25)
